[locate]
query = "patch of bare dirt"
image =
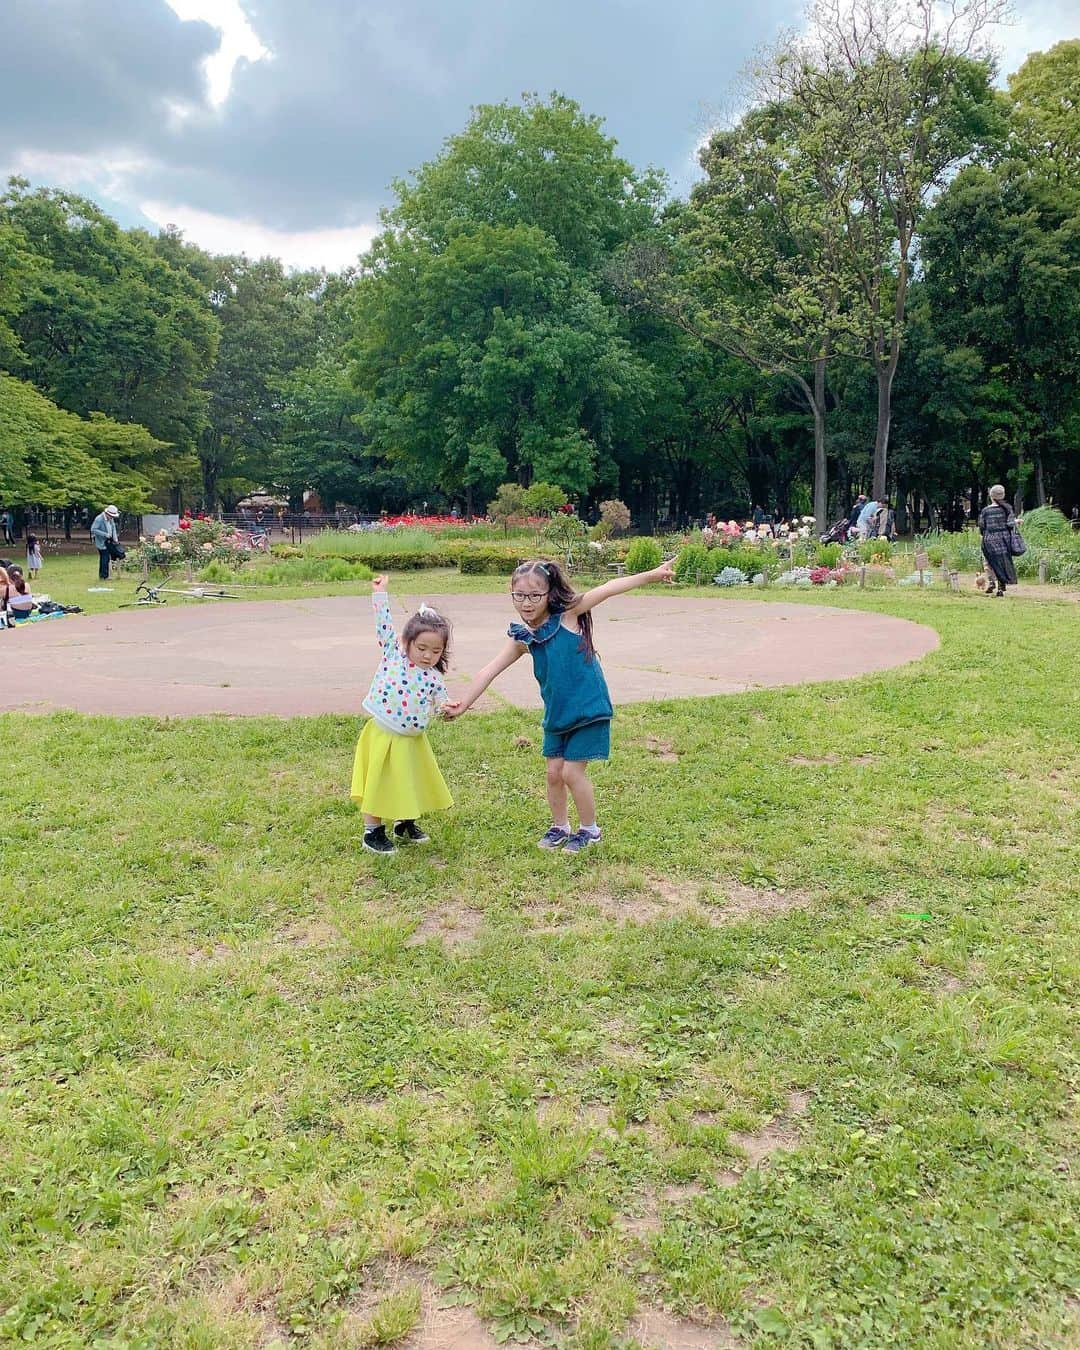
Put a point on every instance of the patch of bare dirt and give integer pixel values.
(779, 1135)
(681, 1192)
(673, 898)
(448, 1328)
(211, 954)
(310, 932)
(453, 925)
(659, 1329)
(438, 1328)
(660, 749)
(747, 902)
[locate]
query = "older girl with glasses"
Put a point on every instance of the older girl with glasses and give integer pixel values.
(555, 628)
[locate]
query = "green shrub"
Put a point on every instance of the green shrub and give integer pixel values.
(692, 565)
(286, 551)
(292, 572)
(541, 499)
(489, 562)
(390, 561)
(218, 573)
(875, 550)
(566, 536)
(643, 554)
(367, 544)
(828, 555)
(1045, 526)
(1061, 559)
(746, 558)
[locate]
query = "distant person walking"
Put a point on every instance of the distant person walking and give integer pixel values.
(9, 525)
(106, 537)
(996, 524)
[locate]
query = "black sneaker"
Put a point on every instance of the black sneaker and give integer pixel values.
(375, 840)
(584, 839)
(408, 832)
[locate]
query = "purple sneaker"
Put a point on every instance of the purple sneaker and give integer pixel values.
(555, 838)
(582, 840)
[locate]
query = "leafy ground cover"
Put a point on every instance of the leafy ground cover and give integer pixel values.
(789, 1056)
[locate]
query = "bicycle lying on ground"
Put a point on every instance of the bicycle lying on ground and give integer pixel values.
(145, 594)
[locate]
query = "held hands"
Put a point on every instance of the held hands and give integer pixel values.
(453, 709)
(380, 583)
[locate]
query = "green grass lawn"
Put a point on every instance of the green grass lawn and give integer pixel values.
(790, 1052)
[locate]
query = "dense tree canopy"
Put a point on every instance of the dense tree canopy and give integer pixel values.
(874, 286)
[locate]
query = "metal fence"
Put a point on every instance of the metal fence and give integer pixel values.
(292, 526)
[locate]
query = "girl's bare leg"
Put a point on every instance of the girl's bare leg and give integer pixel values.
(372, 820)
(556, 791)
(576, 777)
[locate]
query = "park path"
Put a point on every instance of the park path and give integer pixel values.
(300, 657)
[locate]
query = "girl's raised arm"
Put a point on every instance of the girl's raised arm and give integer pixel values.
(665, 572)
(384, 620)
(505, 659)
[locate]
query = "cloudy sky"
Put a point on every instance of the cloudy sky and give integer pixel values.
(276, 126)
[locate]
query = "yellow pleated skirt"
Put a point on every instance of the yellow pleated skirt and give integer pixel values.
(396, 777)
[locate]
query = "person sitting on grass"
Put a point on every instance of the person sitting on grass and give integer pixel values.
(556, 631)
(20, 602)
(395, 776)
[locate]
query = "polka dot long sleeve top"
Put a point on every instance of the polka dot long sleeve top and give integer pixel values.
(403, 697)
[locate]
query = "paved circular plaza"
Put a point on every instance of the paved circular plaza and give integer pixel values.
(299, 657)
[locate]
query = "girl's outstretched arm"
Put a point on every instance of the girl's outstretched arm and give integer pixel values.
(380, 599)
(665, 572)
(506, 658)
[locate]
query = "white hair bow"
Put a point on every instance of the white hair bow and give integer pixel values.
(428, 613)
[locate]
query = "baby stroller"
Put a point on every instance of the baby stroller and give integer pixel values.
(836, 534)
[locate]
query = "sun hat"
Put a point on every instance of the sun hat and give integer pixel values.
(111, 511)
(997, 493)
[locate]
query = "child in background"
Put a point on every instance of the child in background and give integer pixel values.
(33, 556)
(557, 634)
(395, 776)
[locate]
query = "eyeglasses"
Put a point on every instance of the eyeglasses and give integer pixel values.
(519, 597)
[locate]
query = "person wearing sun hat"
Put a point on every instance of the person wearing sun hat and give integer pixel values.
(996, 524)
(106, 539)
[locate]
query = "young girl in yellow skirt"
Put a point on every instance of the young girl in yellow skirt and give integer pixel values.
(395, 777)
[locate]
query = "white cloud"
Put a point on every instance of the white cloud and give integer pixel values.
(239, 41)
(111, 176)
(329, 248)
(1036, 26)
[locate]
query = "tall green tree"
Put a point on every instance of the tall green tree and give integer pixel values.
(487, 360)
(103, 322)
(51, 457)
(892, 98)
(268, 325)
(487, 344)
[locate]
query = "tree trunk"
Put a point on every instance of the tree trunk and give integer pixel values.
(1018, 500)
(1040, 485)
(821, 466)
(901, 511)
(886, 372)
(210, 482)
